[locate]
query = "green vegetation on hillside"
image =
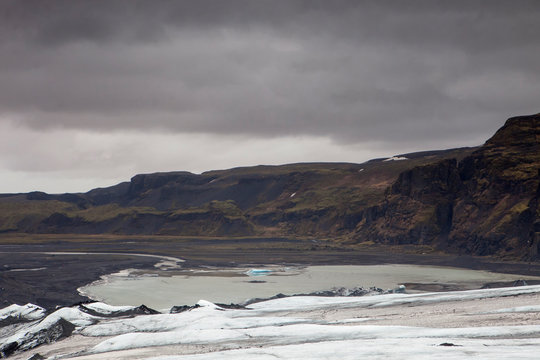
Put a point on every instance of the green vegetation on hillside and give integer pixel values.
(471, 200)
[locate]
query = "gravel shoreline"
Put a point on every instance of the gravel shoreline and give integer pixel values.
(58, 278)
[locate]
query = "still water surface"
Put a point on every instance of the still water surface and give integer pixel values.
(161, 290)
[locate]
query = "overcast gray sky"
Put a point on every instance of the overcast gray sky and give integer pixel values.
(94, 92)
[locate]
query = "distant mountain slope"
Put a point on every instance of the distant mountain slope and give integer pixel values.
(318, 199)
(475, 200)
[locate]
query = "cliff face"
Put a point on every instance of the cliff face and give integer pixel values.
(316, 200)
(482, 201)
(485, 204)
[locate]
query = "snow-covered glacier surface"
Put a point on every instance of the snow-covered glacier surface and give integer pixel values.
(489, 323)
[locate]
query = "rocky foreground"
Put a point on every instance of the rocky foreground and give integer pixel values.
(489, 323)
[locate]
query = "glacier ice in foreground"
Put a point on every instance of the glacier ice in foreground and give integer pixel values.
(452, 325)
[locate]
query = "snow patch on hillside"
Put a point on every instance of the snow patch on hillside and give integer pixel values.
(396, 158)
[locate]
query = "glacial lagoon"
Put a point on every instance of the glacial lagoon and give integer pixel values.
(164, 289)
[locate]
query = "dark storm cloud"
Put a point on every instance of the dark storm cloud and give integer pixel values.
(353, 70)
(467, 24)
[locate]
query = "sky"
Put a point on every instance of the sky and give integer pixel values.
(94, 92)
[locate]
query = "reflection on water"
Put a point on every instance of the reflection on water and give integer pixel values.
(235, 285)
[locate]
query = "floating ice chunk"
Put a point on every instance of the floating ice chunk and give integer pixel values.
(259, 272)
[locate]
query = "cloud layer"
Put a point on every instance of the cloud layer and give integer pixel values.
(396, 73)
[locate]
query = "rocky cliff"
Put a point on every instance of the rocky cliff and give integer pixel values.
(485, 204)
(481, 201)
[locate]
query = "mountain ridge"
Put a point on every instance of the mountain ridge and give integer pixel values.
(480, 201)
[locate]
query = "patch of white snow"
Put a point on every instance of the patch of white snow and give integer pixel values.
(396, 158)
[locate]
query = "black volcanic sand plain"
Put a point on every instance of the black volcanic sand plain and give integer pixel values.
(55, 278)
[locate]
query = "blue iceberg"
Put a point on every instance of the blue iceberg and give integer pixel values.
(259, 272)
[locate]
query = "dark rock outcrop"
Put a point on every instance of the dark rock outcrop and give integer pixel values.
(46, 335)
(139, 310)
(487, 204)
